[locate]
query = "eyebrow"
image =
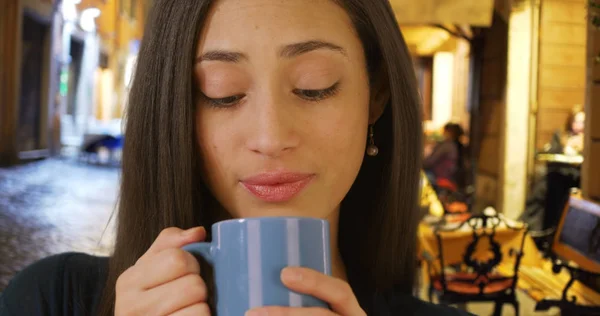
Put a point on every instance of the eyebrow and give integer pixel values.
(297, 49)
(221, 55)
(288, 51)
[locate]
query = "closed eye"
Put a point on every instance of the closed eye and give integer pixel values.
(226, 102)
(306, 94)
(317, 95)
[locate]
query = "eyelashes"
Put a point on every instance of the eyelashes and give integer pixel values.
(317, 95)
(309, 95)
(225, 102)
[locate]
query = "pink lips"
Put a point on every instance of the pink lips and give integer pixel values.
(277, 186)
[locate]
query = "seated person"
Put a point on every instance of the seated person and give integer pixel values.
(445, 160)
(562, 177)
(570, 141)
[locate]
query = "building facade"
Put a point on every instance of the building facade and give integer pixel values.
(65, 64)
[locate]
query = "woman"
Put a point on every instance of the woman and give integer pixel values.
(228, 90)
(444, 162)
(573, 138)
(570, 140)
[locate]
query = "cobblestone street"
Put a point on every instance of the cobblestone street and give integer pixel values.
(54, 206)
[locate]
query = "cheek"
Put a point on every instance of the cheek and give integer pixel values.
(211, 148)
(342, 143)
(343, 137)
(203, 138)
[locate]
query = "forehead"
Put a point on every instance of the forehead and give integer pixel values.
(240, 24)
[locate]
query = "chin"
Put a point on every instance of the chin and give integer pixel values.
(279, 214)
(279, 211)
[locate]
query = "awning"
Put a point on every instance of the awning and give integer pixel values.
(424, 40)
(459, 12)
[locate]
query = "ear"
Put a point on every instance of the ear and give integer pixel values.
(380, 94)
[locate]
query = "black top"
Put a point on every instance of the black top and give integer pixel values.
(72, 284)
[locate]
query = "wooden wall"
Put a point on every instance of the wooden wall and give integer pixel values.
(491, 110)
(9, 35)
(591, 168)
(561, 64)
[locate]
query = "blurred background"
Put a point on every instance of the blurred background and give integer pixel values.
(511, 103)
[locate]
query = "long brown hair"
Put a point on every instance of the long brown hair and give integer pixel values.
(161, 179)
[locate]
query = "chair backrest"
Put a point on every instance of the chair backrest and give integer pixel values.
(577, 237)
(492, 238)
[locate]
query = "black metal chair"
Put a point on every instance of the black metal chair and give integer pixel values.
(473, 279)
(575, 248)
(543, 240)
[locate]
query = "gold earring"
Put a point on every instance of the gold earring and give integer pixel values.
(372, 150)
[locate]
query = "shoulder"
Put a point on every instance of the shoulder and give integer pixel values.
(399, 304)
(69, 283)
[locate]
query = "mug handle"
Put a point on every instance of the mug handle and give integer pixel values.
(203, 249)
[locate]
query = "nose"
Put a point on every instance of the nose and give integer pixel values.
(272, 131)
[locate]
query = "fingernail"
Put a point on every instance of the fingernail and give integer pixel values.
(291, 275)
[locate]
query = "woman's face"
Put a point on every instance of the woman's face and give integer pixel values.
(283, 118)
(578, 123)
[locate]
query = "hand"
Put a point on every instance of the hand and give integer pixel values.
(165, 280)
(335, 292)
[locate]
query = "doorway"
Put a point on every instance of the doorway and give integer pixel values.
(71, 125)
(33, 39)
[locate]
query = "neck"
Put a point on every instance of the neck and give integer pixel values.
(338, 269)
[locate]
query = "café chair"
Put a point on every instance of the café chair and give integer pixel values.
(576, 250)
(477, 279)
(454, 199)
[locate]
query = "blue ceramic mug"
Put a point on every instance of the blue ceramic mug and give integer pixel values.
(249, 254)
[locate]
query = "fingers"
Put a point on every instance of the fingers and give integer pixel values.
(165, 280)
(166, 266)
(180, 294)
(175, 238)
(289, 311)
(165, 261)
(200, 309)
(337, 293)
(169, 298)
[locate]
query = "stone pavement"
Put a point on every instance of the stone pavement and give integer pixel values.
(54, 206)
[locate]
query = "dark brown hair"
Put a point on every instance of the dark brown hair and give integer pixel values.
(455, 130)
(161, 180)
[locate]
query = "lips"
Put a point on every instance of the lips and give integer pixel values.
(277, 186)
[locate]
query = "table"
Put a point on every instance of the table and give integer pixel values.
(575, 160)
(563, 174)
